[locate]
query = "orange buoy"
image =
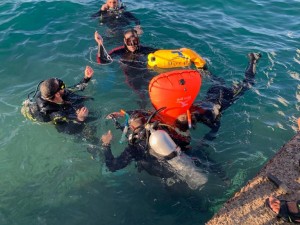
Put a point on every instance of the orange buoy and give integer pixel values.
(175, 90)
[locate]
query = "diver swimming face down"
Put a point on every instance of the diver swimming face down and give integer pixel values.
(131, 40)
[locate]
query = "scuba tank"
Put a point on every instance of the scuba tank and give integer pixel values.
(30, 109)
(162, 146)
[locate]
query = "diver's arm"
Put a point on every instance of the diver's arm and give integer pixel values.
(88, 74)
(60, 117)
(102, 57)
(66, 113)
(117, 163)
(206, 113)
(67, 123)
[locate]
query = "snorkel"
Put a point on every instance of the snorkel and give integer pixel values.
(126, 125)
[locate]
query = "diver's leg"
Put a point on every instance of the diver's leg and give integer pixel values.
(240, 88)
(251, 69)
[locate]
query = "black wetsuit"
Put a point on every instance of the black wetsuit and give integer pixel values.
(134, 66)
(136, 152)
(219, 98)
(116, 20)
(63, 115)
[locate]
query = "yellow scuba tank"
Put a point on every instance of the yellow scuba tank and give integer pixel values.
(175, 58)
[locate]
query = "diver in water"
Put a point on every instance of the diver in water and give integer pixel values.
(133, 58)
(131, 53)
(154, 151)
(218, 98)
(209, 111)
(114, 15)
(60, 105)
(134, 61)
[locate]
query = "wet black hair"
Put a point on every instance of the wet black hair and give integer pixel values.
(48, 88)
(133, 31)
(137, 116)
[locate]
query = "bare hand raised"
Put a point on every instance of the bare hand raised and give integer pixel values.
(82, 113)
(114, 115)
(98, 38)
(106, 138)
(89, 72)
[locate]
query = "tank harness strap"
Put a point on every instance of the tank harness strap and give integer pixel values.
(171, 156)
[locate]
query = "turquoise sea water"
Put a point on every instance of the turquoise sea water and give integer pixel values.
(49, 178)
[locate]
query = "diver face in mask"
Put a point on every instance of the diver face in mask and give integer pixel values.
(136, 124)
(131, 40)
(112, 4)
(137, 131)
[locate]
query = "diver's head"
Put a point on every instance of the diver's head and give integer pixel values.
(131, 40)
(112, 4)
(137, 122)
(52, 88)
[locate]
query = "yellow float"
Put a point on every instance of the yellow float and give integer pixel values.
(175, 58)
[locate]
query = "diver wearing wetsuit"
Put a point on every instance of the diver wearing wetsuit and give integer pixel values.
(131, 53)
(60, 105)
(154, 152)
(115, 16)
(218, 98)
(133, 58)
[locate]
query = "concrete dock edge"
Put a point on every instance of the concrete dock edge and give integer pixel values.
(247, 207)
